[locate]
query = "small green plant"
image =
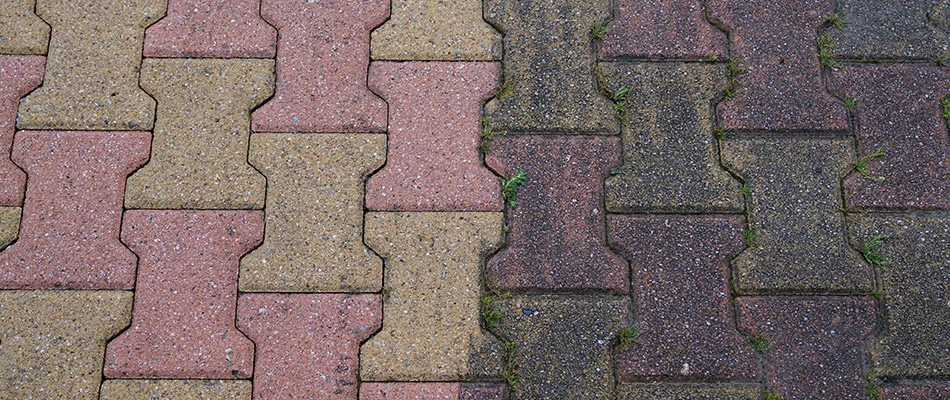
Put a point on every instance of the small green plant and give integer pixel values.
(760, 343)
(729, 92)
(628, 336)
(746, 190)
(720, 132)
(825, 48)
(509, 372)
(850, 103)
(871, 388)
(601, 80)
(877, 294)
(861, 165)
(491, 314)
(869, 251)
(750, 235)
(620, 102)
(941, 60)
(506, 88)
(733, 68)
(598, 30)
(486, 136)
(769, 395)
(509, 187)
(622, 170)
(945, 104)
(837, 21)
(712, 57)
(506, 228)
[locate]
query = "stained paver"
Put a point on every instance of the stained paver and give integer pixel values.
(307, 344)
(928, 390)
(890, 29)
(186, 290)
(671, 160)
(9, 225)
(557, 238)
(22, 31)
(434, 125)
(92, 73)
(199, 150)
(680, 278)
(322, 55)
(314, 237)
(689, 391)
(18, 76)
(52, 341)
(431, 297)
(899, 113)
(796, 229)
(211, 29)
(154, 389)
(432, 391)
(69, 236)
(549, 61)
(781, 89)
(436, 31)
(661, 30)
(815, 343)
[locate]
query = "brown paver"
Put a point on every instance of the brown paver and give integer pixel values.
(69, 236)
(434, 125)
(557, 238)
(18, 76)
(199, 151)
(781, 88)
(307, 344)
(891, 29)
(450, 30)
(815, 343)
(680, 278)
(186, 289)
(928, 390)
(432, 391)
(314, 236)
(92, 72)
(431, 296)
(661, 29)
(211, 29)
(795, 213)
(155, 389)
(52, 341)
(22, 31)
(9, 225)
(322, 55)
(671, 160)
(689, 391)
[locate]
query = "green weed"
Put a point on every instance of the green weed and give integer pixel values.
(628, 336)
(869, 251)
(598, 30)
(861, 165)
(509, 187)
(760, 343)
(750, 235)
(837, 21)
(824, 51)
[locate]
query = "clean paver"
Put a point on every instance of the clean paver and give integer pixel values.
(18, 76)
(167, 389)
(450, 30)
(22, 31)
(661, 29)
(211, 29)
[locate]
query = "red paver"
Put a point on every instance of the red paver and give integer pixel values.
(308, 344)
(69, 232)
(661, 29)
(322, 55)
(557, 234)
(431, 391)
(18, 76)
(210, 28)
(185, 297)
(781, 89)
(816, 350)
(434, 124)
(899, 112)
(928, 390)
(680, 277)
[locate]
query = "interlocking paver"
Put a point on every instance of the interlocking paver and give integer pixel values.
(52, 341)
(680, 278)
(661, 29)
(69, 236)
(432, 391)
(434, 125)
(22, 31)
(9, 225)
(431, 296)
(929, 390)
(314, 241)
(557, 234)
(450, 30)
(211, 29)
(890, 29)
(815, 343)
(322, 54)
(186, 289)
(307, 344)
(549, 63)
(898, 112)
(199, 151)
(781, 89)
(18, 76)
(154, 389)
(796, 230)
(690, 391)
(671, 161)
(92, 72)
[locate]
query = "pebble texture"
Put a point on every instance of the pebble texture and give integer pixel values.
(314, 236)
(322, 56)
(132, 389)
(562, 344)
(671, 161)
(800, 242)
(199, 152)
(899, 113)
(451, 30)
(21, 31)
(781, 89)
(9, 225)
(434, 125)
(689, 391)
(185, 296)
(557, 234)
(431, 297)
(661, 29)
(52, 342)
(18, 76)
(815, 351)
(929, 390)
(307, 344)
(73, 210)
(432, 391)
(92, 72)
(889, 29)
(549, 63)
(680, 278)
(211, 29)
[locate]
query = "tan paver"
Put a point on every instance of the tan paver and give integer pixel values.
(21, 31)
(9, 225)
(135, 389)
(449, 30)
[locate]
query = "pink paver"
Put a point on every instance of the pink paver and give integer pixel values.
(781, 89)
(322, 56)
(18, 76)
(185, 297)
(308, 344)
(431, 391)
(211, 29)
(69, 232)
(661, 29)
(434, 124)
(557, 234)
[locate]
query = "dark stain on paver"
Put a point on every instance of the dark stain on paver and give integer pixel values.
(661, 29)
(689, 391)
(891, 29)
(211, 29)
(432, 391)
(18, 75)
(924, 390)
